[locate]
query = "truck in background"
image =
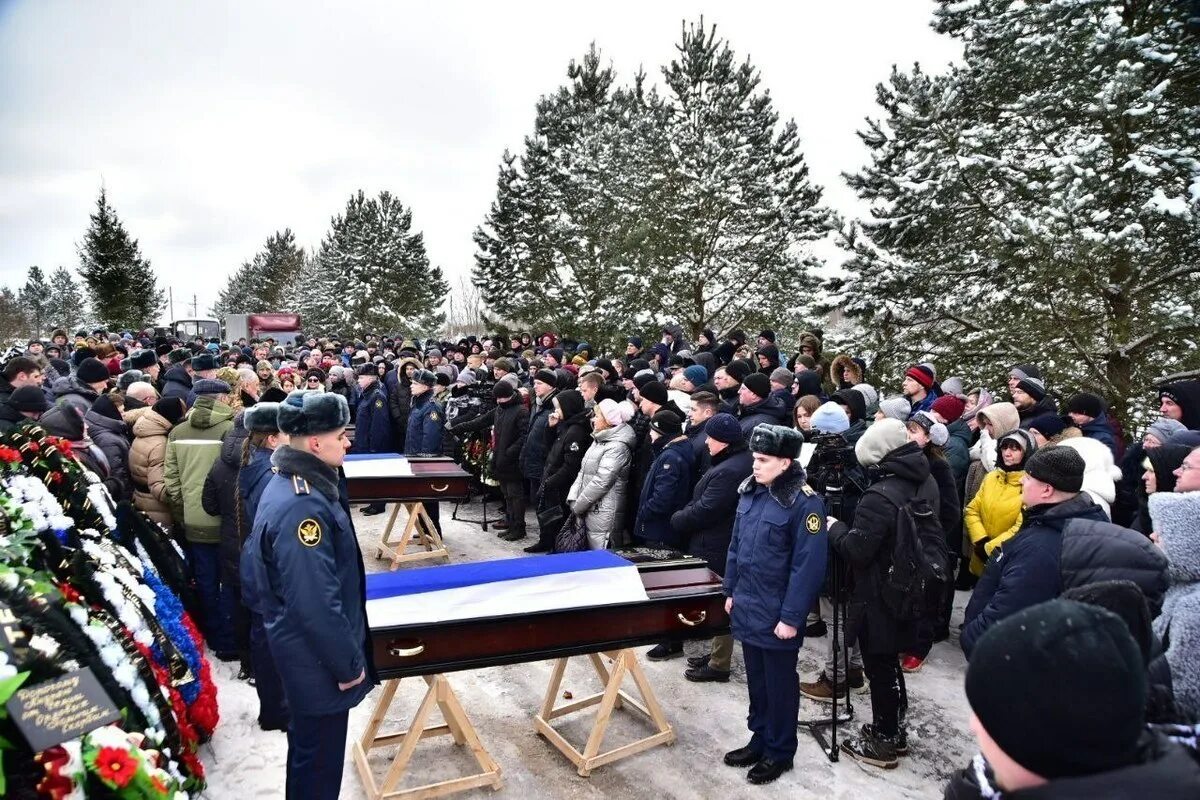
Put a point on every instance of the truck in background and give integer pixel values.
(282, 327)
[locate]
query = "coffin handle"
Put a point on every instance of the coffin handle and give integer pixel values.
(691, 623)
(441, 488)
(407, 652)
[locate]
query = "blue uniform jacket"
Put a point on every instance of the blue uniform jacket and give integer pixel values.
(538, 439)
(425, 421)
(252, 480)
(373, 422)
(667, 488)
(312, 585)
(777, 557)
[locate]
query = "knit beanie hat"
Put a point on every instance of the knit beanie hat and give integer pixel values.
(880, 439)
(92, 370)
(769, 335)
(696, 375)
(870, 395)
(923, 374)
(503, 390)
(949, 407)
(546, 376)
(1048, 425)
(724, 428)
(171, 409)
(853, 401)
(936, 431)
(1061, 688)
(611, 411)
(655, 392)
(830, 417)
(1023, 371)
(28, 398)
(806, 360)
(1164, 428)
(953, 386)
(897, 408)
(105, 407)
(1086, 403)
(666, 423)
(738, 370)
(467, 377)
(505, 364)
(1060, 467)
(759, 384)
(783, 376)
(1032, 387)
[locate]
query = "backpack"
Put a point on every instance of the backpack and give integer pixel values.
(917, 578)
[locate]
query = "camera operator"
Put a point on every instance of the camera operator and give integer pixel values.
(835, 474)
(867, 546)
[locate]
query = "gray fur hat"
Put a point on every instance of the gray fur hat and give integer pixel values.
(776, 440)
(261, 418)
(307, 413)
(130, 377)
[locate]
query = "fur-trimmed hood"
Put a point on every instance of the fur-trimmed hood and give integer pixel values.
(786, 488)
(854, 373)
(1176, 517)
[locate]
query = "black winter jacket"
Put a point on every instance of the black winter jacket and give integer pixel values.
(706, 522)
(867, 548)
(1164, 770)
(538, 438)
(112, 437)
(220, 498)
(1059, 546)
(566, 454)
(509, 422)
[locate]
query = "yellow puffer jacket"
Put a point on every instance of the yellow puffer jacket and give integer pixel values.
(994, 514)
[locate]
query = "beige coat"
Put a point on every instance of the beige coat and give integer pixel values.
(146, 458)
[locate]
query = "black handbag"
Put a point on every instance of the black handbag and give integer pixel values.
(572, 537)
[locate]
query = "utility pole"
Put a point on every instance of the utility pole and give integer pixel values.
(195, 307)
(171, 296)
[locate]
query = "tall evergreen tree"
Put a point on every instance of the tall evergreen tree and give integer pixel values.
(739, 204)
(35, 300)
(67, 306)
(121, 284)
(261, 284)
(1049, 214)
(376, 273)
(14, 322)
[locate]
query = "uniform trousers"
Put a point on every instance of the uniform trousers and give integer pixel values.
(272, 703)
(774, 700)
(316, 755)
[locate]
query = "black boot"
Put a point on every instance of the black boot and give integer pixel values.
(871, 747)
(768, 770)
(540, 546)
(815, 629)
(665, 650)
(743, 757)
(697, 661)
(706, 674)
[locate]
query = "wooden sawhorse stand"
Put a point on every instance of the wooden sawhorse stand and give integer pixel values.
(419, 531)
(613, 697)
(457, 724)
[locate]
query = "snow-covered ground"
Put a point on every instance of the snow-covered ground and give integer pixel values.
(709, 719)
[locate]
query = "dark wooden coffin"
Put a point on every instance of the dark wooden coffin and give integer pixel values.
(432, 479)
(685, 602)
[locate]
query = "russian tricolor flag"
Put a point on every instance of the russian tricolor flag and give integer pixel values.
(501, 588)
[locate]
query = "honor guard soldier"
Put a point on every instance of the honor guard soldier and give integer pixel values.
(311, 588)
(372, 420)
(775, 568)
(426, 421)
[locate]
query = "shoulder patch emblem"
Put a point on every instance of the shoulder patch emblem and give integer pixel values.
(379, 404)
(574, 448)
(812, 523)
(309, 532)
(666, 466)
(434, 416)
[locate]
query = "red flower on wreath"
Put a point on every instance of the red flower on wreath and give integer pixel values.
(34, 448)
(9, 455)
(115, 765)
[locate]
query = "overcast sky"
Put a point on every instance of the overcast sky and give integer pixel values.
(215, 123)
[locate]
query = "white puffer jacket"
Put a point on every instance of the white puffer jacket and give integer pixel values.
(1100, 474)
(598, 494)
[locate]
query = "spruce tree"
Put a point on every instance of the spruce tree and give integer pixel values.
(121, 285)
(374, 274)
(1040, 203)
(36, 301)
(67, 305)
(262, 284)
(14, 322)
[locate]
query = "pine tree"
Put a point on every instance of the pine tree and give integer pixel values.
(1049, 214)
(372, 272)
(121, 284)
(35, 299)
(262, 284)
(66, 308)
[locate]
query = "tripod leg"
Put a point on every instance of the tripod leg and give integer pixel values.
(836, 587)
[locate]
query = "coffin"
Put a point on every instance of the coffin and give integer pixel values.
(684, 602)
(393, 478)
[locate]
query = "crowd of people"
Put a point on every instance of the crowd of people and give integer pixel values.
(778, 466)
